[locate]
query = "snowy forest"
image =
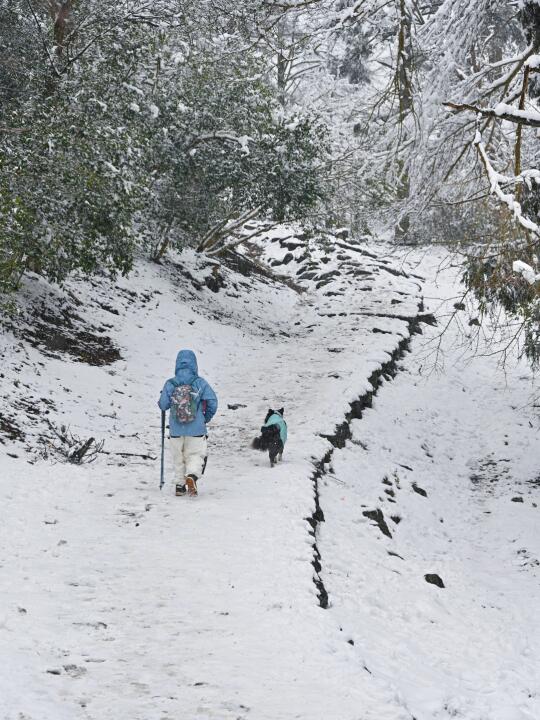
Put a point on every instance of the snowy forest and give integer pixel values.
(333, 207)
(147, 126)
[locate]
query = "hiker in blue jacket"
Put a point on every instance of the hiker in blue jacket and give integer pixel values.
(192, 404)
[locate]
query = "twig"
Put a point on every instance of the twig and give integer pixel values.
(128, 454)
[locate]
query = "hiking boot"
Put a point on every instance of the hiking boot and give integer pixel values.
(180, 489)
(191, 485)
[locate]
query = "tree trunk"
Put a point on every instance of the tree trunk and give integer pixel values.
(405, 97)
(60, 11)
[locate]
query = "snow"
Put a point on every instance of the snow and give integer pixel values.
(526, 271)
(505, 109)
(122, 601)
(178, 58)
(111, 167)
(469, 650)
(242, 140)
(133, 88)
(496, 179)
(533, 62)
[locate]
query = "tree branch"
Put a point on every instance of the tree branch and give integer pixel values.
(501, 111)
(508, 199)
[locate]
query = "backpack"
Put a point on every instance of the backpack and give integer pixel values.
(184, 403)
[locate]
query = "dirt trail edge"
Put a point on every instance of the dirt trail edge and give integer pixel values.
(342, 433)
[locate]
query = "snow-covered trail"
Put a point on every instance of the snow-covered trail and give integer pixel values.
(121, 601)
(126, 601)
(160, 606)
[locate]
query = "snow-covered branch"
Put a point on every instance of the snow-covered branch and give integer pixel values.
(226, 228)
(223, 136)
(242, 237)
(496, 180)
(501, 111)
(526, 271)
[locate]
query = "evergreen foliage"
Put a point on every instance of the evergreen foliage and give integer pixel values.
(122, 126)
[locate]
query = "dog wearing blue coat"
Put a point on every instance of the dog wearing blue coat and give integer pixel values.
(273, 435)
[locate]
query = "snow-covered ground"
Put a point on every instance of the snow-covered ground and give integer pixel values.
(469, 438)
(122, 601)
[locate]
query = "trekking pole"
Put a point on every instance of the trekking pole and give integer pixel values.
(161, 480)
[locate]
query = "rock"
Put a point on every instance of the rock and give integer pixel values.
(329, 275)
(214, 281)
(291, 245)
(434, 579)
(74, 671)
(419, 490)
(517, 499)
(378, 517)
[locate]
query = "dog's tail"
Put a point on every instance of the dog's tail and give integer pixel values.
(257, 443)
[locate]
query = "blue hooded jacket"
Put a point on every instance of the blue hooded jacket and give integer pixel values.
(186, 373)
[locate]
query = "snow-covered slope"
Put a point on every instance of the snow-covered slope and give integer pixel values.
(121, 601)
(441, 480)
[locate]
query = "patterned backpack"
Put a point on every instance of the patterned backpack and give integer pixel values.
(184, 403)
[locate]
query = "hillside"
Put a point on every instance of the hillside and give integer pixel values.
(290, 592)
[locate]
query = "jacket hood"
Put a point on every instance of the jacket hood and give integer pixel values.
(186, 360)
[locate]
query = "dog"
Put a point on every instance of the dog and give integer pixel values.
(273, 435)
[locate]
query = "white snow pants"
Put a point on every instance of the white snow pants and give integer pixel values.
(188, 455)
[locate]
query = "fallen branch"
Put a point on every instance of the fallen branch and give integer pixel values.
(128, 454)
(240, 239)
(226, 228)
(62, 444)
